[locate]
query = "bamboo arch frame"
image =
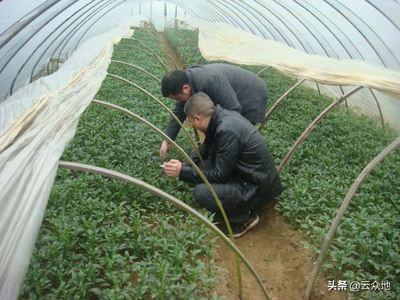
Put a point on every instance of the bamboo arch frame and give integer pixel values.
(277, 102)
(156, 57)
(312, 126)
(181, 205)
(144, 31)
(263, 70)
(340, 212)
(173, 29)
(138, 68)
(195, 167)
(151, 51)
(357, 183)
(192, 141)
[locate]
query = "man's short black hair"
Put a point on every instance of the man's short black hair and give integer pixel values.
(199, 104)
(173, 82)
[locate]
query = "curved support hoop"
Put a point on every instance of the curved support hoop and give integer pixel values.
(379, 107)
(307, 25)
(10, 91)
(142, 34)
(53, 16)
(156, 57)
(193, 142)
(312, 126)
(318, 89)
(77, 26)
(173, 32)
(81, 14)
(151, 51)
(341, 11)
(152, 31)
(91, 26)
(137, 67)
(263, 70)
(345, 101)
(195, 167)
(250, 10)
(277, 102)
(339, 215)
(174, 201)
(14, 29)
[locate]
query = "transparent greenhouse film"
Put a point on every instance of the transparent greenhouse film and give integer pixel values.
(58, 57)
(44, 115)
(219, 41)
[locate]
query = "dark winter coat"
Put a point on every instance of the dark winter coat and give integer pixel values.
(231, 87)
(235, 151)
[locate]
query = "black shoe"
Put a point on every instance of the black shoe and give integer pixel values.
(240, 229)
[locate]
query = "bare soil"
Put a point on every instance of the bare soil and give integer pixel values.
(278, 254)
(174, 60)
(274, 248)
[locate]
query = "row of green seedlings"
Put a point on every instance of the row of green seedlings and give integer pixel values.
(319, 177)
(97, 290)
(321, 172)
(186, 41)
(171, 45)
(118, 235)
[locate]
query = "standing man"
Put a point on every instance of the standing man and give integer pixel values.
(229, 86)
(237, 164)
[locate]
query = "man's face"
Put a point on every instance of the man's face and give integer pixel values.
(184, 95)
(198, 122)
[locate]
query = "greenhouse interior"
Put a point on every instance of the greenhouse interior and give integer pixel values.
(92, 207)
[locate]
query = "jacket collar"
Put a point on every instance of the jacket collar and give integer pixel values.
(191, 82)
(214, 121)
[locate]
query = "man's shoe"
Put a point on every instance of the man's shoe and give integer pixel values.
(240, 229)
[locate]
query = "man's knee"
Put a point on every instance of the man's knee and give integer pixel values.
(203, 197)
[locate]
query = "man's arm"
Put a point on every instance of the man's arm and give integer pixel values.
(221, 92)
(228, 146)
(173, 127)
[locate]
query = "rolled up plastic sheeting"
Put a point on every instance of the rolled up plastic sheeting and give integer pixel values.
(220, 41)
(37, 123)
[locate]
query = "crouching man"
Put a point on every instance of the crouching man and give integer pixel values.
(237, 164)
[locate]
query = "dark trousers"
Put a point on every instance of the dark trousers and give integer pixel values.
(238, 200)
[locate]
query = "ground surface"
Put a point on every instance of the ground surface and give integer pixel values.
(275, 250)
(278, 254)
(102, 239)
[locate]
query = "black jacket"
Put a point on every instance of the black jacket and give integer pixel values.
(235, 151)
(231, 87)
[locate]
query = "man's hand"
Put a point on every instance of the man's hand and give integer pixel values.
(172, 168)
(164, 149)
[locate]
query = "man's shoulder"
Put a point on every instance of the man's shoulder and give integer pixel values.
(202, 75)
(232, 122)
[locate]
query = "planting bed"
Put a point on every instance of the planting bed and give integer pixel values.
(103, 238)
(367, 245)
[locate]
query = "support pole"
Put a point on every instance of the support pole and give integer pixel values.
(262, 70)
(137, 67)
(312, 126)
(339, 215)
(277, 102)
(152, 52)
(181, 205)
(379, 107)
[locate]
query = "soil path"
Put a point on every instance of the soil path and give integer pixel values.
(278, 254)
(274, 249)
(174, 60)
